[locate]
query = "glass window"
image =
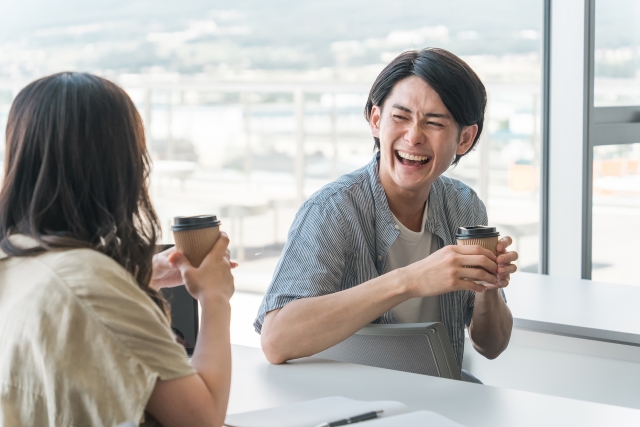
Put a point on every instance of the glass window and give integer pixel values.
(617, 53)
(252, 106)
(616, 210)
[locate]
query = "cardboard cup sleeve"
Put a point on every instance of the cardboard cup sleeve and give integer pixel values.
(196, 244)
(486, 242)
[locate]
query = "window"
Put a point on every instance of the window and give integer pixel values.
(250, 107)
(616, 209)
(617, 53)
(616, 151)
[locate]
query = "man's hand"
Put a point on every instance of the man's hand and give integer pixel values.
(505, 259)
(164, 274)
(447, 270)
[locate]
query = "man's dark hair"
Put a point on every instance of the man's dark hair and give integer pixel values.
(458, 85)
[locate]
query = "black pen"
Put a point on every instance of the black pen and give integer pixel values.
(356, 419)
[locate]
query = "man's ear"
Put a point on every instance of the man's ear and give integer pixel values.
(374, 121)
(467, 136)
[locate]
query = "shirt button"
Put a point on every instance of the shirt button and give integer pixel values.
(397, 227)
(379, 257)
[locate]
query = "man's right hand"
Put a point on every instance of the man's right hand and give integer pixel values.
(446, 270)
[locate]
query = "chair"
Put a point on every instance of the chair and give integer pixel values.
(419, 348)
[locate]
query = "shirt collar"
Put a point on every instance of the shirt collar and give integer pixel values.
(386, 232)
(437, 219)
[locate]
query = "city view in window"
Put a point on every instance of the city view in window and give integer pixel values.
(250, 106)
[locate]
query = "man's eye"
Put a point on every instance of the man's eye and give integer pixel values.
(395, 116)
(435, 124)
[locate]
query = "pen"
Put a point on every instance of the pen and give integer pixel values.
(356, 419)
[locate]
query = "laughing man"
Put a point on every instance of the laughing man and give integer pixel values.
(378, 245)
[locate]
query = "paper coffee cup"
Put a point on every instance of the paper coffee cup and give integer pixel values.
(195, 236)
(480, 235)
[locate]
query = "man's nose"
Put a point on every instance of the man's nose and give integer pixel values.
(414, 136)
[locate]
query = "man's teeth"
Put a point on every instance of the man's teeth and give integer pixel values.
(412, 157)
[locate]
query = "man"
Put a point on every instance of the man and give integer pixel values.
(378, 245)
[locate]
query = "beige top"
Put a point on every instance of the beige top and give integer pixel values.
(80, 343)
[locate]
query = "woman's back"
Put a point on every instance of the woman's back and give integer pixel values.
(80, 342)
(84, 336)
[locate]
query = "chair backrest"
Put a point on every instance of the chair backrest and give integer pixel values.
(419, 348)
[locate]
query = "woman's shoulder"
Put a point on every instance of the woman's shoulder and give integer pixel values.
(64, 264)
(99, 290)
(80, 304)
(63, 268)
(74, 266)
(83, 277)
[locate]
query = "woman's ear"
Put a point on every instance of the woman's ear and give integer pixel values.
(374, 121)
(467, 136)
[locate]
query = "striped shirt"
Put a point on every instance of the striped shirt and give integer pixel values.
(341, 235)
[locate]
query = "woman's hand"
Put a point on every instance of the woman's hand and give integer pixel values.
(213, 277)
(166, 275)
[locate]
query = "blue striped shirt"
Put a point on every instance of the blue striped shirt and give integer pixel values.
(341, 236)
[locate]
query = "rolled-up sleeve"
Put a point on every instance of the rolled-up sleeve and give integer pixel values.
(313, 260)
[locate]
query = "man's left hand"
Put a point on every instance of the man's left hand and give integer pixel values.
(505, 260)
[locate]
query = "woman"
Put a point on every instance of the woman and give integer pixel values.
(84, 335)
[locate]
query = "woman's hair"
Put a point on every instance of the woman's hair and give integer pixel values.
(76, 174)
(458, 85)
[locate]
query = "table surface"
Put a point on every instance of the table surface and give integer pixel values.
(256, 384)
(575, 307)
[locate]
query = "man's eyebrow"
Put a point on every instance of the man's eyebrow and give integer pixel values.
(407, 110)
(437, 115)
(403, 108)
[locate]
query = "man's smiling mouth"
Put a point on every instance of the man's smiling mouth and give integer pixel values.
(410, 159)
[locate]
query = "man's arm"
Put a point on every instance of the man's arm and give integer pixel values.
(307, 326)
(492, 322)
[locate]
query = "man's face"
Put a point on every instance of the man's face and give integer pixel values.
(418, 137)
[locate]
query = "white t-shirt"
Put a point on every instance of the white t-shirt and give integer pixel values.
(409, 247)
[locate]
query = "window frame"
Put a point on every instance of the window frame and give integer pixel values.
(560, 242)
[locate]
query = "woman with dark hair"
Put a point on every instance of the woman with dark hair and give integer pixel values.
(85, 337)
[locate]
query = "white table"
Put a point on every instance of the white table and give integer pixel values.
(574, 307)
(256, 384)
(572, 338)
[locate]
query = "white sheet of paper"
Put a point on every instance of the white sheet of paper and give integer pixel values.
(413, 419)
(310, 413)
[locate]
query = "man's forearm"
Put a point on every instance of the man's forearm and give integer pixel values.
(491, 324)
(307, 326)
